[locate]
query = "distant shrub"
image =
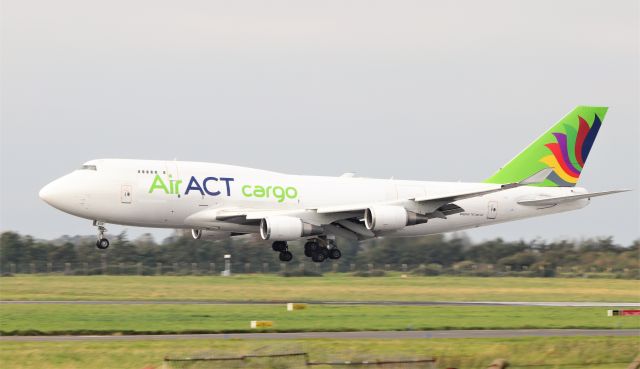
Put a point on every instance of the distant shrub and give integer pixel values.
(300, 273)
(632, 273)
(370, 273)
(478, 273)
(466, 265)
(428, 270)
(545, 273)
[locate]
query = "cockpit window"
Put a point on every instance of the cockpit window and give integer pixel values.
(88, 167)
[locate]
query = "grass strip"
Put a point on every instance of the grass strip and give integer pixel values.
(63, 319)
(554, 352)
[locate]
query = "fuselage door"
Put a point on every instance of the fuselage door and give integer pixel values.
(125, 194)
(492, 210)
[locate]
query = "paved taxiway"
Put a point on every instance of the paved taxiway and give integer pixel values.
(506, 333)
(373, 303)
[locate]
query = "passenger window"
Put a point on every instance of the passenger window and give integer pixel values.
(88, 167)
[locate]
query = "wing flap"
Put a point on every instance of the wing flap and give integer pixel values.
(562, 199)
(450, 197)
(439, 198)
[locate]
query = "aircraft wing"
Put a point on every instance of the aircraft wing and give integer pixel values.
(346, 216)
(549, 201)
(428, 204)
(237, 214)
(345, 220)
(419, 201)
(249, 216)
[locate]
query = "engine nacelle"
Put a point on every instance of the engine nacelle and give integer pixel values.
(209, 235)
(284, 228)
(391, 218)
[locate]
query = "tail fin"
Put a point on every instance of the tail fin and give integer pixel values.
(563, 148)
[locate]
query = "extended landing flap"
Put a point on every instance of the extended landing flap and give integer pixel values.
(561, 199)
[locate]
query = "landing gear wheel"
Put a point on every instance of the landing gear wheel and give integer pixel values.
(309, 248)
(318, 257)
(323, 251)
(102, 243)
(279, 246)
(286, 256)
(334, 254)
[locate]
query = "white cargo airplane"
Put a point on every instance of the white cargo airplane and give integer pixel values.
(219, 201)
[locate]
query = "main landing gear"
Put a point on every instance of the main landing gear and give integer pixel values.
(320, 249)
(283, 248)
(102, 242)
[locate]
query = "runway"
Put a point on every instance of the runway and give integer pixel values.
(371, 303)
(507, 333)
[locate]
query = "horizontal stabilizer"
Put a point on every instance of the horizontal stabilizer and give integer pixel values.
(561, 199)
(538, 177)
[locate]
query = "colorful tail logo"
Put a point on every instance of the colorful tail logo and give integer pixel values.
(570, 151)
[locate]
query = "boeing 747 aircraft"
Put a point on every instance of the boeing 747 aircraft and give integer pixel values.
(219, 201)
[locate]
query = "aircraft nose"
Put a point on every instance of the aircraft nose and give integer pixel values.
(48, 193)
(58, 193)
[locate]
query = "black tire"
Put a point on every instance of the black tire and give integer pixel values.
(334, 254)
(285, 256)
(323, 251)
(279, 246)
(102, 243)
(308, 248)
(318, 257)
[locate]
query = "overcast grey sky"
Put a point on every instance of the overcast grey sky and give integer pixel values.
(425, 90)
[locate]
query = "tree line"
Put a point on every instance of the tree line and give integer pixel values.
(430, 255)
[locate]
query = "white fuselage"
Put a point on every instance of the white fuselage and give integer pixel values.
(165, 194)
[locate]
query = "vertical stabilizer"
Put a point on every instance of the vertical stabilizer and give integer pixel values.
(564, 148)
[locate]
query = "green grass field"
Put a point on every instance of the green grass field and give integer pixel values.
(333, 287)
(164, 319)
(557, 352)
(561, 352)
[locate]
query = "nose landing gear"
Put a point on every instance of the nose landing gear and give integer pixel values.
(102, 242)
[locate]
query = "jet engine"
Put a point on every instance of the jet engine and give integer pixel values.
(209, 235)
(391, 218)
(284, 228)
